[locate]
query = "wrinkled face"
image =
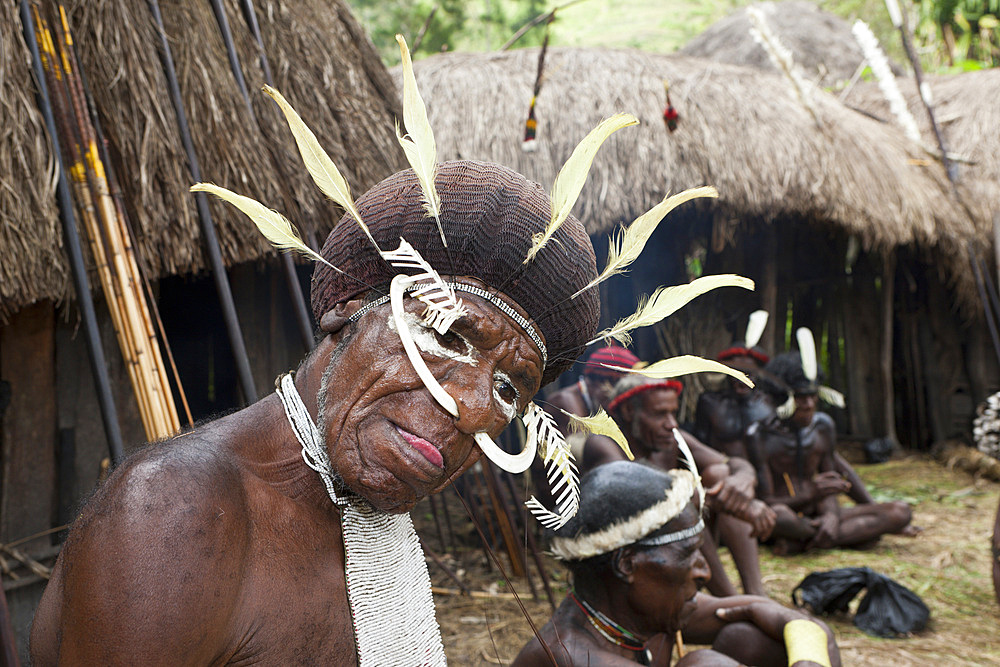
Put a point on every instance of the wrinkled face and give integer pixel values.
(656, 418)
(388, 438)
(805, 409)
(666, 578)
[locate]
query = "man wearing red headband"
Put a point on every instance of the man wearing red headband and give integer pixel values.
(646, 412)
(590, 392)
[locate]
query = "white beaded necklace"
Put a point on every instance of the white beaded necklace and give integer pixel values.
(388, 586)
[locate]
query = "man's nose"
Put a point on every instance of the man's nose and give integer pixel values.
(472, 389)
(700, 571)
(671, 421)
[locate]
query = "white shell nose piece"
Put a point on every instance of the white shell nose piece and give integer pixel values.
(396, 290)
(512, 463)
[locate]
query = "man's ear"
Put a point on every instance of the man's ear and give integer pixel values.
(626, 412)
(623, 564)
(336, 318)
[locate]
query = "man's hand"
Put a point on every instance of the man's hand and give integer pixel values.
(770, 618)
(730, 497)
(761, 518)
(827, 530)
(830, 483)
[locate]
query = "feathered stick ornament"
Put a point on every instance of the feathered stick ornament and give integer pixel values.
(664, 302)
(560, 469)
(685, 365)
(573, 175)
(755, 328)
(886, 81)
(443, 306)
(275, 227)
(628, 244)
(418, 144)
(322, 169)
(600, 424)
(670, 115)
(782, 59)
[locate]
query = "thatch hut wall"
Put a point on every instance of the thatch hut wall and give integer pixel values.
(51, 435)
(810, 206)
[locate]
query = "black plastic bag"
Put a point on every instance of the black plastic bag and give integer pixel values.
(888, 609)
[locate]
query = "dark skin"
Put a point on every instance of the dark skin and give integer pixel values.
(806, 499)
(182, 554)
(652, 592)
(648, 420)
(996, 556)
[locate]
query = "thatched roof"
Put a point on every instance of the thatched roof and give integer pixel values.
(322, 62)
(740, 130)
(821, 43)
(967, 109)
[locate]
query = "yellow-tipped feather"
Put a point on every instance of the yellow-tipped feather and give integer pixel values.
(664, 302)
(626, 247)
(686, 365)
(418, 144)
(601, 424)
(275, 227)
(573, 175)
(322, 169)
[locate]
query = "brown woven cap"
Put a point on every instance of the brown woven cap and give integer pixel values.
(489, 214)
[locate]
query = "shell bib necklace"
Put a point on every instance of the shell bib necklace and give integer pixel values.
(388, 586)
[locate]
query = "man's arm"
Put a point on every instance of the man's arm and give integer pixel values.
(147, 575)
(598, 450)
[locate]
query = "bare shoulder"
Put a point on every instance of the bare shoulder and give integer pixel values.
(824, 422)
(164, 539)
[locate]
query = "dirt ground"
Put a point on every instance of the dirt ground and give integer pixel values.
(947, 565)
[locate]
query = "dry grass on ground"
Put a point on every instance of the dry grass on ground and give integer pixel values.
(948, 565)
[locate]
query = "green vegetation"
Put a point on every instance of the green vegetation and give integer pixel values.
(951, 35)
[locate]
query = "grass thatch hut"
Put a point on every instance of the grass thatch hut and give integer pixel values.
(812, 203)
(820, 43)
(323, 63)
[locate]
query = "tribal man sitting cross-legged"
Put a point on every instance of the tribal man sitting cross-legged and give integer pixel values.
(798, 476)
(446, 297)
(646, 411)
(633, 551)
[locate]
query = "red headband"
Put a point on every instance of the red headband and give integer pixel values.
(634, 391)
(760, 357)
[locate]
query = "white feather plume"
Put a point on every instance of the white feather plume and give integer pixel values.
(664, 302)
(687, 457)
(418, 144)
(275, 227)
(755, 328)
(685, 365)
(807, 351)
(886, 80)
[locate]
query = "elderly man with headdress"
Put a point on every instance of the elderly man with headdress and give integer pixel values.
(633, 552)
(798, 473)
(446, 297)
(646, 411)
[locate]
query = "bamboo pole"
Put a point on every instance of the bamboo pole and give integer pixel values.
(95, 351)
(888, 390)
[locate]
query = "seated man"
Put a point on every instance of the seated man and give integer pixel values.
(278, 534)
(636, 568)
(646, 412)
(798, 476)
(723, 416)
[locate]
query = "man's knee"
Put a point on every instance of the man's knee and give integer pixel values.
(898, 514)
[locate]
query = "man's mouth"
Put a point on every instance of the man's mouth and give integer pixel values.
(426, 449)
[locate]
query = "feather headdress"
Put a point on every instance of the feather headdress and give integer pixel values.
(418, 144)
(807, 352)
(600, 424)
(664, 302)
(685, 365)
(318, 163)
(570, 179)
(275, 227)
(628, 244)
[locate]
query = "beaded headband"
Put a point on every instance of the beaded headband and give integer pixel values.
(492, 297)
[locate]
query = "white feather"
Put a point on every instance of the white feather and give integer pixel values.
(755, 328)
(807, 351)
(443, 307)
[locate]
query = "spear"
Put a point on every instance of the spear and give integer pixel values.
(95, 352)
(222, 287)
(291, 276)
